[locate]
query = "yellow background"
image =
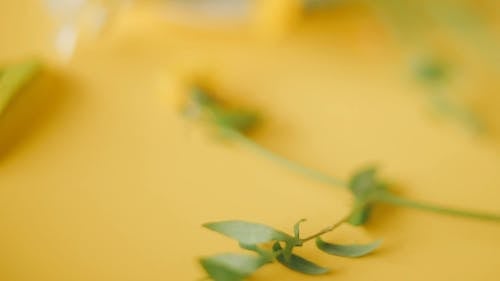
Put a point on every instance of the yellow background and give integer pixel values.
(101, 179)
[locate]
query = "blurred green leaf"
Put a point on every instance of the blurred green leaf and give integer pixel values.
(297, 263)
(451, 108)
(231, 267)
(364, 183)
(431, 70)
(366, 189)
(13, 78)
(200, 97)
(360, 216)
(221, 115)
(234, 119)
(248, 233)
(350, 251)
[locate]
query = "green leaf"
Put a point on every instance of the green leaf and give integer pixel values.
(297, 263)
(224, 117)
(13, 78)
(350, 251)
(234, 119)
(231, 267)
(363, 183)
(248, 233)
(296, 229)
(361, 216)
(367, 189)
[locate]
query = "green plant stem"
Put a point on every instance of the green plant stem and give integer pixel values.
(424, 206)
(387, 198)
(327, 229)
(294, 166)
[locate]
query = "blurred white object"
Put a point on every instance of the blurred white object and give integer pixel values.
(65, 42)
(75, 17)
(228, 9)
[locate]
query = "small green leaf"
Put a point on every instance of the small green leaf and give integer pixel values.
(361, 216)
(297, 263)
(296, 229)
(363, 183)
(231, 267)
(367, 189)
(350, 251)
(248, 233)
(13, 78)
(200, 97)
(222, 116)
(239, 120)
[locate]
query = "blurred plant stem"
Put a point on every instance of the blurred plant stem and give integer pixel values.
(384, 197)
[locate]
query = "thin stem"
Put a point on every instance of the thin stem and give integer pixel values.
(327, 179)
(424, 206)
(387, 198)
(294, 166)
(326, 230)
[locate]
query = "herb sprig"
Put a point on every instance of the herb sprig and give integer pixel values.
(271, 245)
(365, 186)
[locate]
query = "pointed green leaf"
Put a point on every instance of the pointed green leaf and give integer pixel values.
(231, 267)
(248, 233)
(296, 229)
(13, 78)
(350, 251)
(297, 263)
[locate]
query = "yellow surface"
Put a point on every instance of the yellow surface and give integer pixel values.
(102, 180)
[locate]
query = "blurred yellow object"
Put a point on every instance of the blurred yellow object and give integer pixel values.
(108, 184)
(274, 17)
(13, 78)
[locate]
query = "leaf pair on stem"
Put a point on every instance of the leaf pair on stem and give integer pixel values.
(257, 238)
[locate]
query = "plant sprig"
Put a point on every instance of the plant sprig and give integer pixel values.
(365, 186)
(271, 245)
